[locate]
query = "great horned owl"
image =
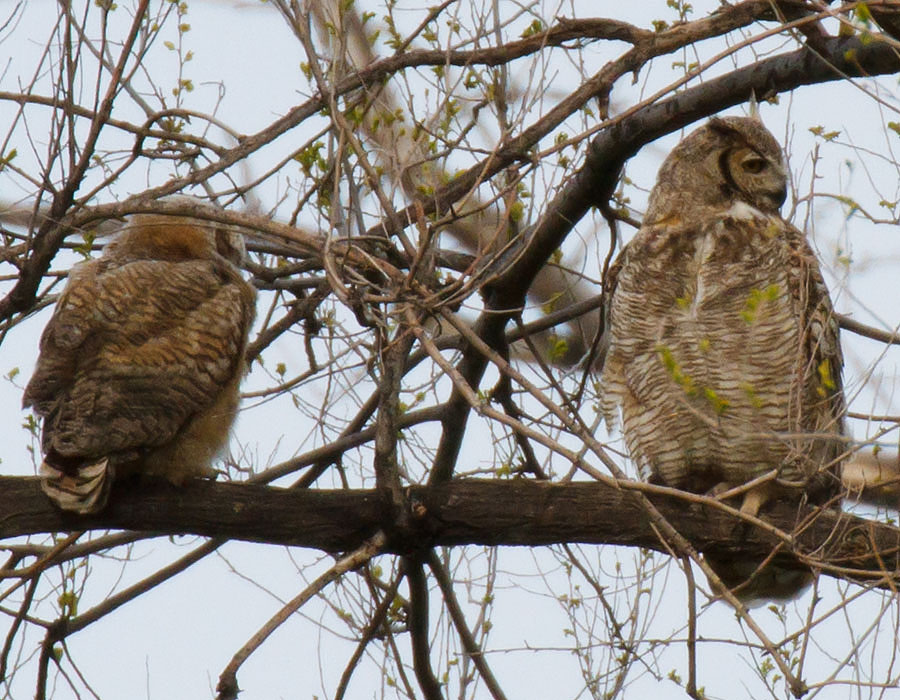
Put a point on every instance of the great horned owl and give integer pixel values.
(140, 364)
(721, 347)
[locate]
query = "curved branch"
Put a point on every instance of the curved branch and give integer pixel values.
(469, 644)
(594, 184)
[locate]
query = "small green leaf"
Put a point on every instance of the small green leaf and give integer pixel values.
(5, 160)
(536, 27)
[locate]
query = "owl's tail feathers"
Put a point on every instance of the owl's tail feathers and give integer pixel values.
(756, 586)
(83, 489)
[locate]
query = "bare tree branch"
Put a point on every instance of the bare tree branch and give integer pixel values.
(510, 513)
(418, 628)
(227, 689)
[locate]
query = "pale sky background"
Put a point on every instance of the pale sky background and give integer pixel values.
(174, 641)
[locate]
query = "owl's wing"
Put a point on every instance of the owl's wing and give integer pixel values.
(649, 253)
(134, 351)
(610, 281)
(824, 396)
(63, 335)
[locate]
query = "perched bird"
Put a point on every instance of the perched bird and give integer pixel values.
(721, 347)
(140, 364)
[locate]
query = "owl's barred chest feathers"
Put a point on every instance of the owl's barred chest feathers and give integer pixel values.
(693, 361)
(726, 294)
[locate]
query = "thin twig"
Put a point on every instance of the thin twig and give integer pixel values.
(227, 689)
(470, 646)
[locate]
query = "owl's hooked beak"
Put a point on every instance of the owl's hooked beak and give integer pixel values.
(775, 198)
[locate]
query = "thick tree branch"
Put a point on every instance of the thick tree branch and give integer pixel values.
(418, 628)
(517, 512)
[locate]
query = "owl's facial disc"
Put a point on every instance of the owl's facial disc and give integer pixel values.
(756, 179)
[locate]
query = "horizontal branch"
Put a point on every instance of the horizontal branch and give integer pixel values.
(891, 338)
(463, 512)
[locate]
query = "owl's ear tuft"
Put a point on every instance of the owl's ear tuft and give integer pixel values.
(754, 107)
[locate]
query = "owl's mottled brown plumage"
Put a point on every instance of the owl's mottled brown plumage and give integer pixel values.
(721, 347)
(140, 364)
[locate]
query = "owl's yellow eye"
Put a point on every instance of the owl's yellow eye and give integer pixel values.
(754, 165)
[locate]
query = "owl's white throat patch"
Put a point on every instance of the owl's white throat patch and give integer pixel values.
(705, 248)
(744, 211)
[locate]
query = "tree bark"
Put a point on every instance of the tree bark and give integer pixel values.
(462, 512)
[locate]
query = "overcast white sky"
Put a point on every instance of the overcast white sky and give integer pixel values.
(175, 641)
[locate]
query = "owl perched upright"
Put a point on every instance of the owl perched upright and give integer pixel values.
(721, 346)
(140, 364)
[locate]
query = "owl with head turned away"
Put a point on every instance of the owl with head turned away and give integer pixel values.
(721, 348)
(140, 364)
